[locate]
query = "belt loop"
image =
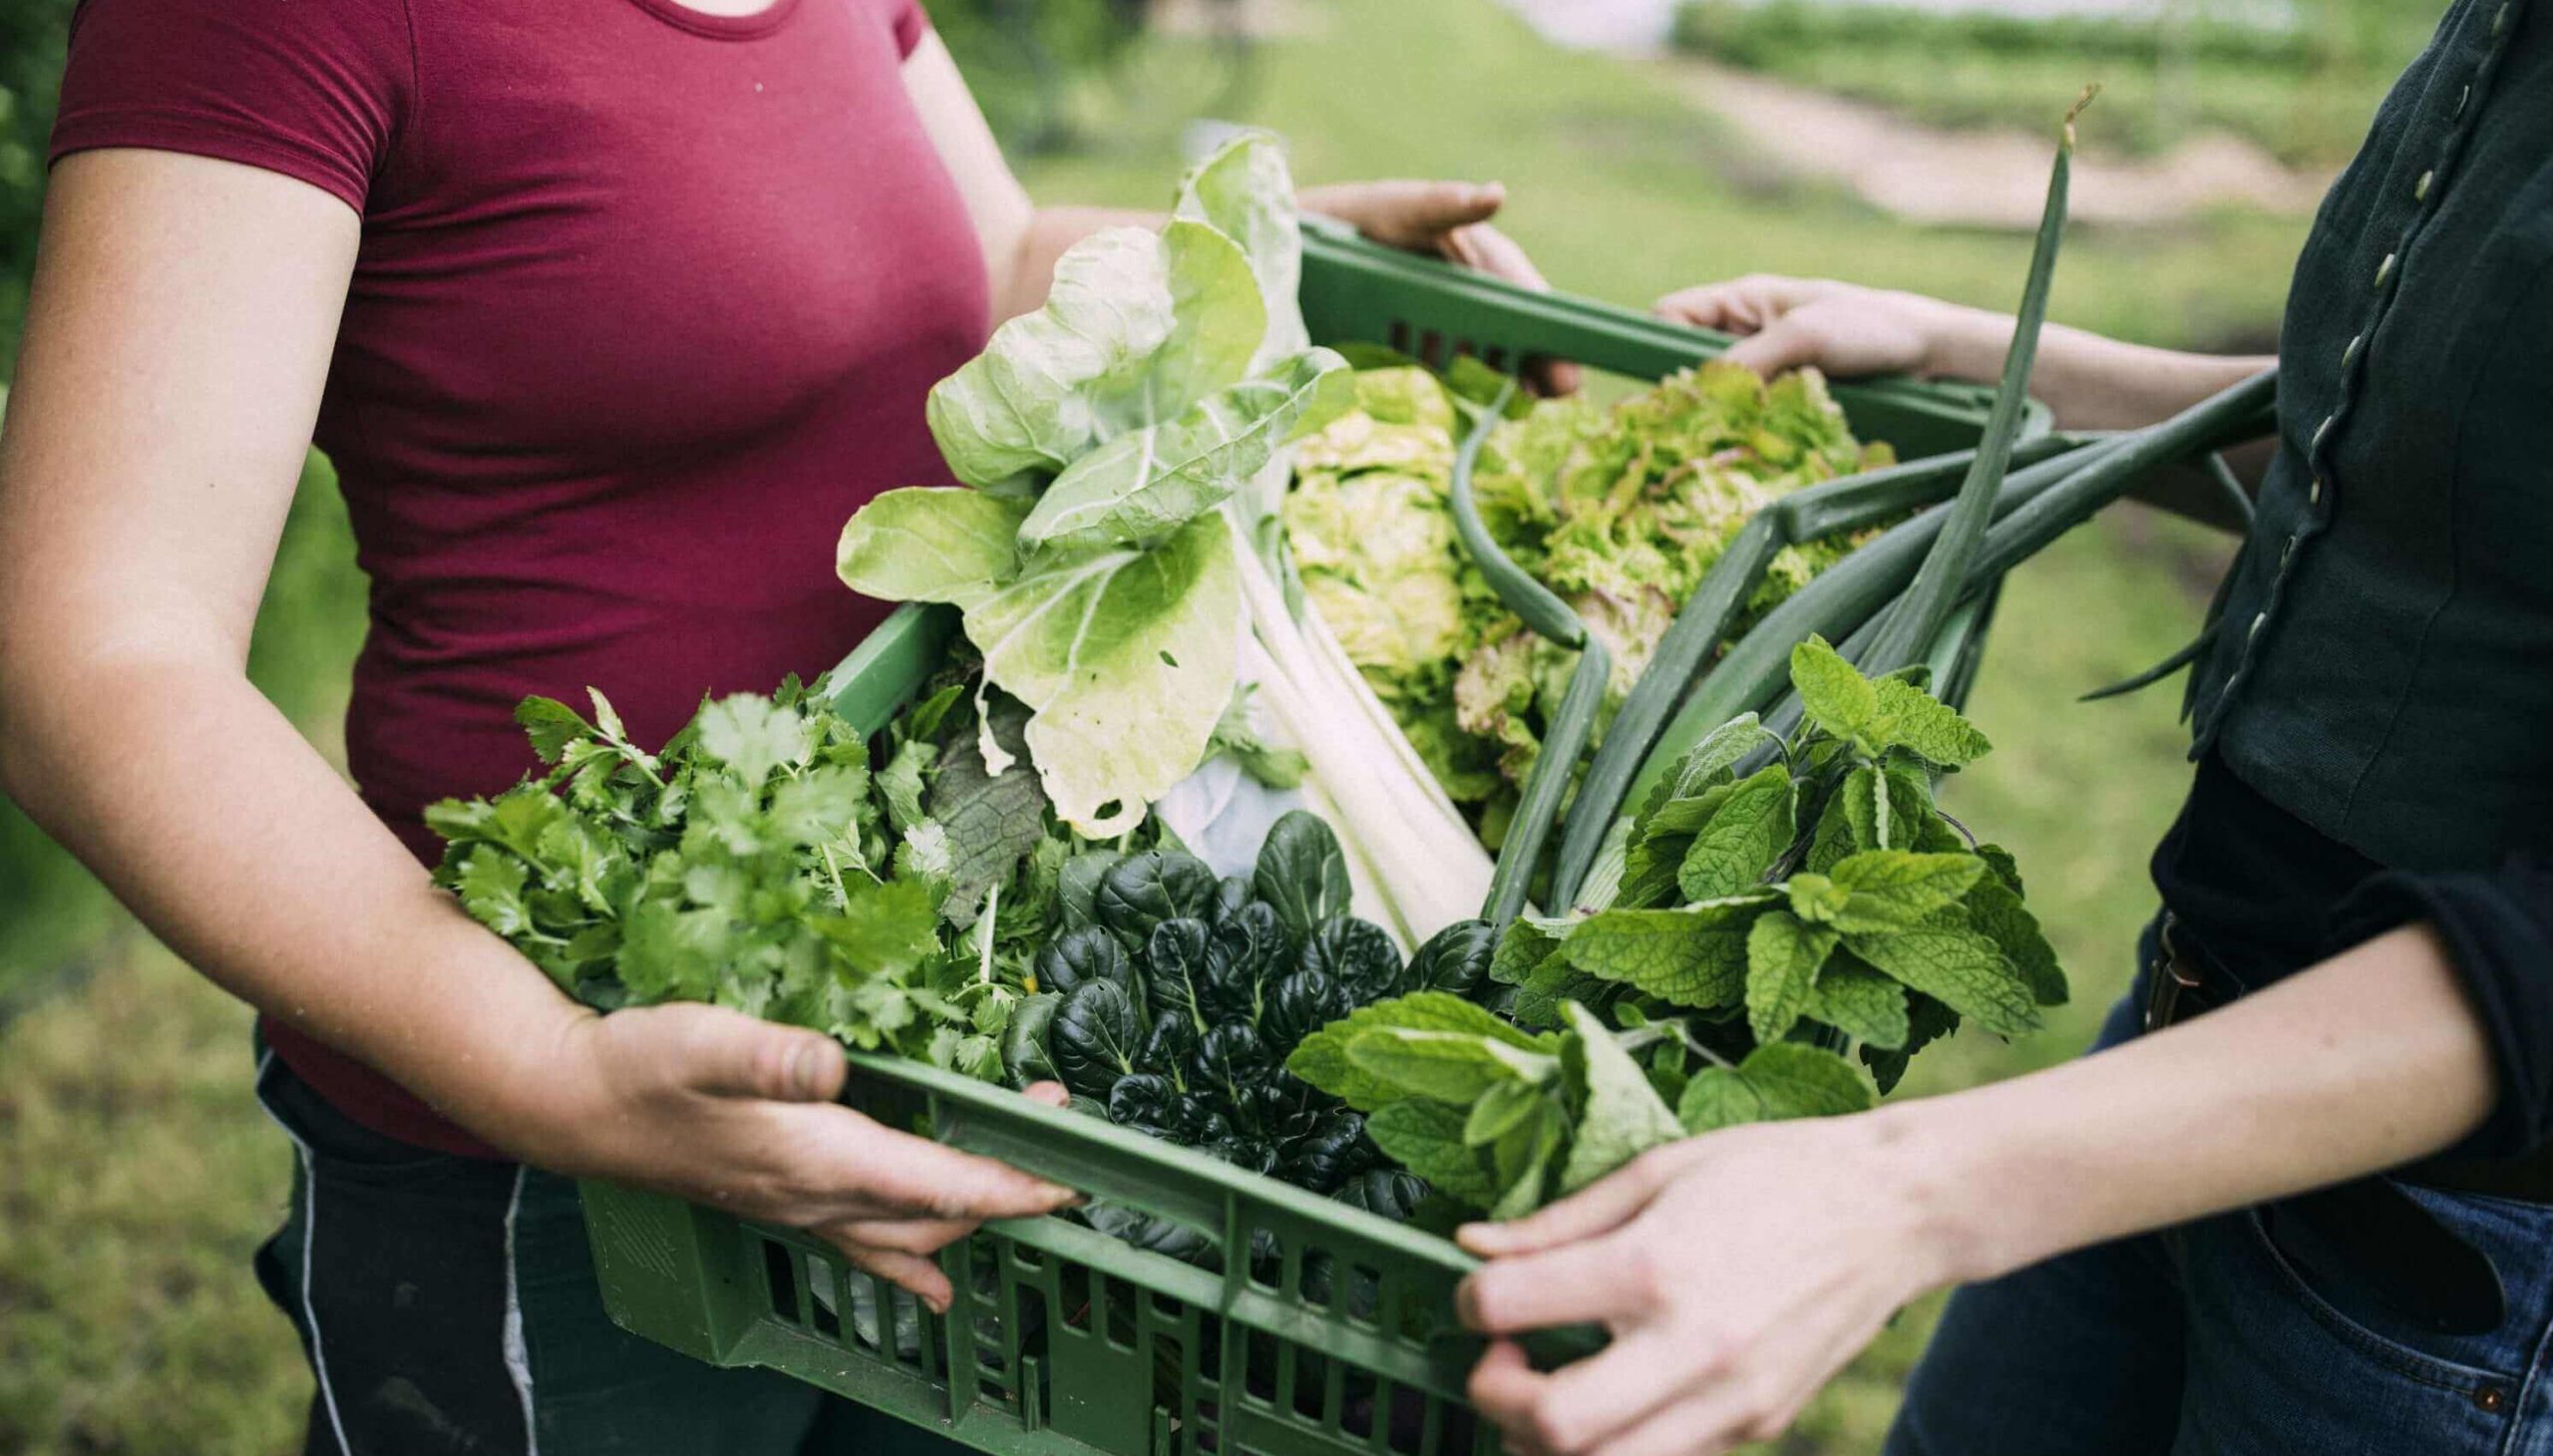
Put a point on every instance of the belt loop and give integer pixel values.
(2168, 979)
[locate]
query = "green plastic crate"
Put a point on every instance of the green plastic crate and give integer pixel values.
(1064, 1341)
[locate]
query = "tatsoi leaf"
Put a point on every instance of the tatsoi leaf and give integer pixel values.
(1835, 695)
(1140, 486)
(1996, 911)
(1427, 1139)
(1301, 873)
(1732, 852)
(931, 543)
(753, 736)
(1624, 1116)
(1137, 326)
(1961, 968)
(1077, 887)
(1860, 1002)
(1894, 889)
(1245, 192)
(1784, 1081)
(1783, 955)
(1908, 717)
(1691, 957)
(1095, 641)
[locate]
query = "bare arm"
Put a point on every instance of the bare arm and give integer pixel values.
(177, 340)
(2087, 381)
(1821, 1230)
(1021, 241)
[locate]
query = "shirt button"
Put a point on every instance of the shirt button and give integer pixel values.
(2287, 553)
(2313, 493)
(2256, 626)
(2323, 432)
(2500, 19)
(2348, 356)
(2384, 269)
(2461, 97)
(2420, 189)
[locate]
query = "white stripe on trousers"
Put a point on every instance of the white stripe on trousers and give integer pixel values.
(309, 1237)
(517, 1353)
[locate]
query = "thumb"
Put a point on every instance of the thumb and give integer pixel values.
(1784, 344)
(729, 1054)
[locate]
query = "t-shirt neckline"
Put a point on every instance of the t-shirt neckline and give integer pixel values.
(724, 27)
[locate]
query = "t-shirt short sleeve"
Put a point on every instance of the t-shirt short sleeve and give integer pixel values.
(911, 24)
(314, 88)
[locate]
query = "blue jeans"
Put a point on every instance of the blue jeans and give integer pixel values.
(2241, 1335)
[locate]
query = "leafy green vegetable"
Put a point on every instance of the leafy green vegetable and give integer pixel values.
(1772, 974)
(1092, 562)
(755, 861)
(1621, 512)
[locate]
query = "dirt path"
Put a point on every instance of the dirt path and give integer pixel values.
(1981, 179)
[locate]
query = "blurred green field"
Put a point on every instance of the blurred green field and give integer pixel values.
(135, 1174)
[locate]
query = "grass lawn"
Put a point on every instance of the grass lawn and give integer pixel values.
(135, 1174)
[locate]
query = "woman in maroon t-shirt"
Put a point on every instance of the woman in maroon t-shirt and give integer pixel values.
(609, 312)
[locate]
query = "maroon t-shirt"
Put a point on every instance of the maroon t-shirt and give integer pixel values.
(647, 304)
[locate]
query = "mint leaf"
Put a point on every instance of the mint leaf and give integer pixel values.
(1783, 955)
(1816, 899)
(1860, 1002)
(1894, 889)
(1910, 718)
(1691, 957)
(1444, 1066)
(1961, 968)
(1832, 690)
(1503, 1107)
(1784, 1081)
(1752, 828)
(1624, 1115)
(1323, 1058)
(1427, 1139)
(1994, 910)
(1706, 766)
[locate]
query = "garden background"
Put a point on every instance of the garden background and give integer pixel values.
(136, 1174)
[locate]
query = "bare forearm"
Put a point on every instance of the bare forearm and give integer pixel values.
(2367, 1061)
(2088, 381)
(237, 844)
(1022, 287)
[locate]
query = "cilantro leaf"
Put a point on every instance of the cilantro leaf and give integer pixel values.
(753, 736)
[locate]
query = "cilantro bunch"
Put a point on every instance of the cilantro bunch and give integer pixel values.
(1784, 939)
(760, 862)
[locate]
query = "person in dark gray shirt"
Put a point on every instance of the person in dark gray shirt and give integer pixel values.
(2303, 1199)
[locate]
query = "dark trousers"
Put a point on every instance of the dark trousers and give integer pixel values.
(448, 1308)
